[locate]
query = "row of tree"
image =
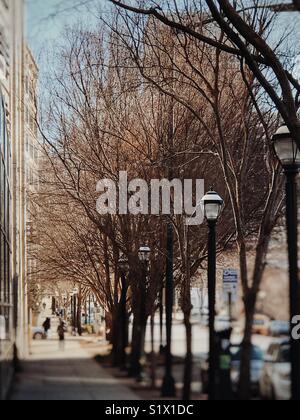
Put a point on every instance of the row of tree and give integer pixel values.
(154, 92)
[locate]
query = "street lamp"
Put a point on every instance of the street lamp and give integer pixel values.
(90, 309)
(144, 255)
(289, 156)
(75, 309)
(212, 205)
(124, 268)
(65, 298)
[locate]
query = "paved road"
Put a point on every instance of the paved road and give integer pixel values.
(200, 339)
(53, 374)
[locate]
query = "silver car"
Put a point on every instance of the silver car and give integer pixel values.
(275, 382)
(279, 328)
(38, 333)
(256, 367)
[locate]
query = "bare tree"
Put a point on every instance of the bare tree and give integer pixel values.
(224, 97)
(110, 111)
(237, 22)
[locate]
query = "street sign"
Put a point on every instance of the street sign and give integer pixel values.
(230, 285)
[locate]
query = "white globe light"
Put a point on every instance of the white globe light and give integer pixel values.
(212, 205)
(285, 148)
(144, 253)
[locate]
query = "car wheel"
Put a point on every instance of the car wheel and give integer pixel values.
(38, 336)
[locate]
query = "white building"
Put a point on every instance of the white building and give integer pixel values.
(13, 288)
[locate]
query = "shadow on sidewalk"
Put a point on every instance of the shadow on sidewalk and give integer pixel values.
(67, 379)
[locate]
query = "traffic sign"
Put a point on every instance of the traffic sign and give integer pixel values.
(230, 284)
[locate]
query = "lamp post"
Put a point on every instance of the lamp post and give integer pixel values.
(90, 309)
(161, 321)
(124, 268)
(212, 204)
(168, 387)
(289, 157)
(75, 318)
(65, 299)
(72, 311)
(144, 257)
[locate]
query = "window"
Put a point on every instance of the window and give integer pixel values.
(5, 236)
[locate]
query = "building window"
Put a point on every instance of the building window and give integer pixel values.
(5, 236)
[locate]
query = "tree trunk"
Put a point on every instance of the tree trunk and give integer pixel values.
(85, 313)
(244, 391)
(126, 335)
(124, 321)
(79, 326)
(138, 343)
(135, 345)
(117, 339)
(188, 364)
(187, 309)
(250, 296)
(109, 327)
(161, 321)
(153, 358)
(142, 361)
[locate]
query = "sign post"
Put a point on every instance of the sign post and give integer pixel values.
(230, 288)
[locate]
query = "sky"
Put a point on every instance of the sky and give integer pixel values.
(46, 19)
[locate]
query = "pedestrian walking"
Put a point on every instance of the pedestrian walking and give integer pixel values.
(61, 335)
(47, 326)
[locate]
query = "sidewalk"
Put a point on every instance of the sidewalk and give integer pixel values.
(51, 374)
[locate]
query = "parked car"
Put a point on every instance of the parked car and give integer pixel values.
(256, 367)
(222, 323)
(257, 364)
(279, 328)
(261, 325)
(204, 320)
(38, 333)
(275, 382)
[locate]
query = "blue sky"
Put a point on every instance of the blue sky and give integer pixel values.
(47, 18)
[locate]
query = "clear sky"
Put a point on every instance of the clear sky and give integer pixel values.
(47, 18)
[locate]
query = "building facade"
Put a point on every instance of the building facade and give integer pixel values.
(32, 157)
(14, 330)
(6, 285)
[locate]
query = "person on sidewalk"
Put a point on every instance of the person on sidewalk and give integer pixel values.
(61, 335)
(47, 326)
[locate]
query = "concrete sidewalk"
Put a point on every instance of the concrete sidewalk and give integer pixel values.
(53, 374)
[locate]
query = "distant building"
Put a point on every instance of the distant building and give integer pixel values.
(31, 128)
(14, 333)
(32, 156)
